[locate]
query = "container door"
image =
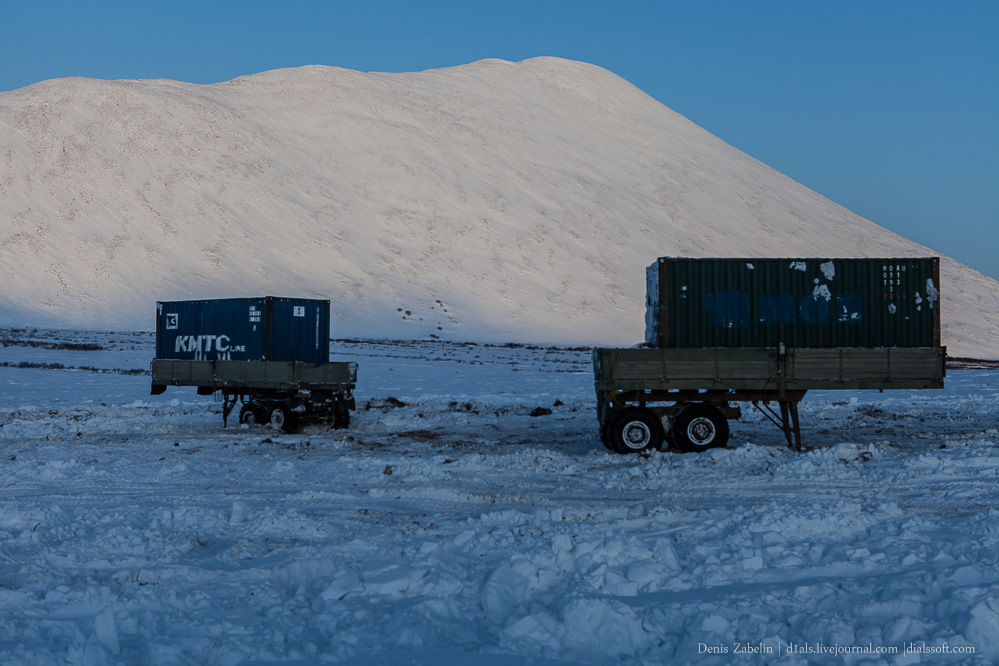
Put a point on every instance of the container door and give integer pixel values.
(298, 330)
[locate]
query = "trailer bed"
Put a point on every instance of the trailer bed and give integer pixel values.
(766, 369)
(256, 375)
(648, 395)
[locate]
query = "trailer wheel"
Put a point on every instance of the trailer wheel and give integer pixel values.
(282, 417)
(700, 427)
(251, 414)
(636, 429)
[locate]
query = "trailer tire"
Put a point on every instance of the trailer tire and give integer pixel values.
(700, 427)
(283, 418)
(251, 414)
(634, 430)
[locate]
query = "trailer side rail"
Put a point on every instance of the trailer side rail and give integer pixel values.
(766, 369)
(262, 375)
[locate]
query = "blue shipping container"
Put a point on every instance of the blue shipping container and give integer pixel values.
(244, 329)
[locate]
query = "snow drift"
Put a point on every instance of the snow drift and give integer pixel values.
(492, 201)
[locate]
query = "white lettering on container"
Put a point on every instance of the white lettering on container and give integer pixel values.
(202, 345)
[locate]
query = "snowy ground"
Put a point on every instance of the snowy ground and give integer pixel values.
(452, 526)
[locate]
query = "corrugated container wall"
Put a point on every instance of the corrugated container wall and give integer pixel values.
(798, 302)
(244, 329)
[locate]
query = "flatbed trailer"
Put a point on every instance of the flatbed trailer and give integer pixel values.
(647, 397)
(283, 393)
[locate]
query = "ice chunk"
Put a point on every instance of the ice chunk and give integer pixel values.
(645, 574)
(983, 629)
(666, 555)
(392, 580)
(604, 627)
(539, 633)
(502, 592)
(339, 586)
(106, 631)
(714, 624)
(238, 514)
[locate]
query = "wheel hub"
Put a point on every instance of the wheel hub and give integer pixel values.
(701, 431)
(637, 435)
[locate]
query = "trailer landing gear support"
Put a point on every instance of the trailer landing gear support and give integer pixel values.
(788, 421)
(228, 404)
(790, 424)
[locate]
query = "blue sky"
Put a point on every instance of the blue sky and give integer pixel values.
(890, 108)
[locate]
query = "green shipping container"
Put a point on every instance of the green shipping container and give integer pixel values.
(818, 303)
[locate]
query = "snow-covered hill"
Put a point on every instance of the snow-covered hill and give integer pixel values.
(492, 201)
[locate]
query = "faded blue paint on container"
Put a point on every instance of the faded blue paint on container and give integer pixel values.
(813, 302)
(244, 329)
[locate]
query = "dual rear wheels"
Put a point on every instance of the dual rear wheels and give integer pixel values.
(278, 415)
(283, 416)
(697, 427)
(252, 414)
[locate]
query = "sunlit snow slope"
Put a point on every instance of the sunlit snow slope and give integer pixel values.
(493, 201)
